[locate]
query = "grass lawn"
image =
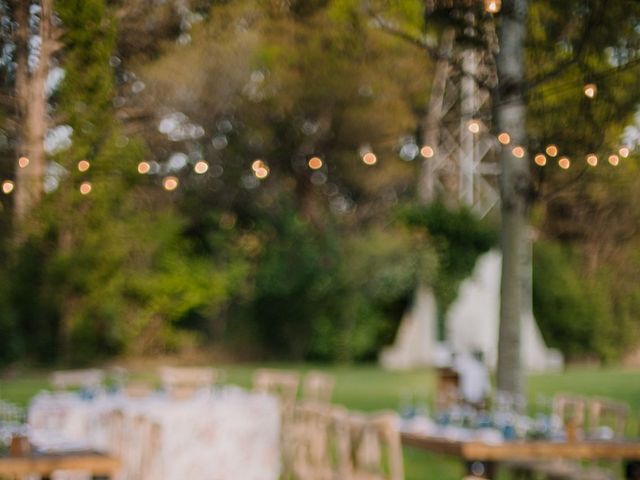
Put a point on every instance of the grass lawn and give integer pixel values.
(369, 388)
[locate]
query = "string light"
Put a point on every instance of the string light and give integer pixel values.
(23, 162)
(504, 138)
(83, 165)
(540, 160)
(201, 167)
(474, 126)
(85, 188)
(7, 187)
(315, 163)
(492, 6)
(624, 152)
(170, 183)
(144, 167)
(592, 160)
(614, 160)
(518, 152)
(591, 90)
(552, 150)
(257, 164)
(564, 163)
(262, 172)
(427, 151)
(369, 158)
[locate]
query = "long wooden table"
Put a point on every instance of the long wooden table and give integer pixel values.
(100, 465)
(481, 458)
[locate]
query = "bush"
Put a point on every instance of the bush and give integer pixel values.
(574, 311)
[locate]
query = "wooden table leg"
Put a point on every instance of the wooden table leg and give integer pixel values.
(480, 469)
(632, 469)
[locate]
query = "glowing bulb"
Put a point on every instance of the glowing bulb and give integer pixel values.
(540, 159)
(170, 183)
(592, 160)
(492, 6)
(624, 152)
(315, 163)
(369, 158)
(144, 167)
(518, 152)
(201, 167)
(504, 138)
(614, 160)
(83, 165)
(257, 164)
(591, 90)
(564, 163)
(261, 172)
(85, 188)
(7, 187)
(23, 162)
(427, 151)
(552, 150)
(474, 126)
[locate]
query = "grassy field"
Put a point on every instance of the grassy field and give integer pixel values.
(369, 388)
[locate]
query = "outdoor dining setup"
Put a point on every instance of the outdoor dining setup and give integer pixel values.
(98, 425)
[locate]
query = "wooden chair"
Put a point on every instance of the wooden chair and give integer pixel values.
(284, 385)
(182, 382)
(318, 387)
(607, 414)
(321, 439)
(90, 379)
(571, 410)
(376, 447)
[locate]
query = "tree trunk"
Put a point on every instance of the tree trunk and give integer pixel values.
(31, 105)
(510, 115)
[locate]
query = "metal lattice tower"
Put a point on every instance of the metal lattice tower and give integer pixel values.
(462, 168)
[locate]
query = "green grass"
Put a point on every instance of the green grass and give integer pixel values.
(370, 388)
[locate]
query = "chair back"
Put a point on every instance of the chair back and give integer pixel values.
(91, 379)
(570, 409)
(181, 382)
(318, 387)
(322, 448)
(607, 418)
(376, 447)
(283, 384)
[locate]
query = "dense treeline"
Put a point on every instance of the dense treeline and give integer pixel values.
(306, 263)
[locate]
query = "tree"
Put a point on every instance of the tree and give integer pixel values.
(510, 117)
(31, 71)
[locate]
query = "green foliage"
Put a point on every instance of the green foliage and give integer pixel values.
(459, 238)
(318, 296)
(576, 312)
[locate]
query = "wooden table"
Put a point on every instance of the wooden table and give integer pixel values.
(481, 458)
(100, 465)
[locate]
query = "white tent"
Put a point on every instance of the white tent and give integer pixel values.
(471, 326)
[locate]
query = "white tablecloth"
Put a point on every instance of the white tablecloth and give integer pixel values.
(230, 434)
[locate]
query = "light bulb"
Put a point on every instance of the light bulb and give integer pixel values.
(369, 158)
(540, 160)
(518, 152)
(552, 150)
(591, 90)
(564, 163)
(427, 151)
(504, 138)
(315, 163)
(170, 183)
(201, 167)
